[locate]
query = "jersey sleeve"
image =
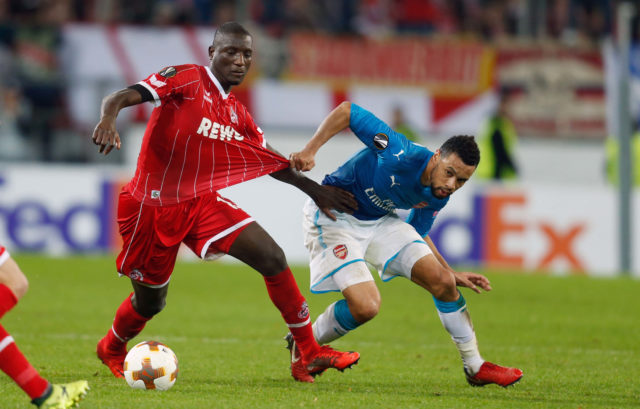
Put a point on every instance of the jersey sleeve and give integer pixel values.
(171, 82)
(422, 220)
(373, 132)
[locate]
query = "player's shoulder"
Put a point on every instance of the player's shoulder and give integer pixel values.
(418, 149)
(182, 70)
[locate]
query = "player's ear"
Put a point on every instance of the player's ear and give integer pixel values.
(211, 51)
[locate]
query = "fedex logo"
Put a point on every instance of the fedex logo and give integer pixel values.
(214, 130)
(33, 223)
(490, 231)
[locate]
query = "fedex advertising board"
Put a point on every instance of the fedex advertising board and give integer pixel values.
(539, 228)
(57, 210)
(566, 230)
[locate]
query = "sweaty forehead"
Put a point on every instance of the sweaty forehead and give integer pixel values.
(241, 41)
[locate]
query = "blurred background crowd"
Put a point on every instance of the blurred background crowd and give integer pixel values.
(34, 80)
(571, 21)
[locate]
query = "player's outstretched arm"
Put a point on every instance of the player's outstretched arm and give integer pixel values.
(337, 121)
(325, 197)
(105, 133)
(463, 279)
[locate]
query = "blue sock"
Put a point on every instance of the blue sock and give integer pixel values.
(450, 306)
(344, 317)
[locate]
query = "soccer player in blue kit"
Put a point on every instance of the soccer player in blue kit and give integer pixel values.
(391, 173)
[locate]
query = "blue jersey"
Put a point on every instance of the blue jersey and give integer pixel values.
(386, 174)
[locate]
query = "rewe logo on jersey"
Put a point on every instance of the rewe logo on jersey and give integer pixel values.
(214, 130)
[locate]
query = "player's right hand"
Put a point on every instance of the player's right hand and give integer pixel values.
(329, 198)
(106, 135)
(303, 161)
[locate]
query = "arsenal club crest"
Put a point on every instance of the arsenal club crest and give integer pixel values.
(340, 251)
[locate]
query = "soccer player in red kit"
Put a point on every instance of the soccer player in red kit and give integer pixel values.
(198, 140)
(14, 285)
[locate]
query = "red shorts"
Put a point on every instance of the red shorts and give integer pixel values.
(152, 235)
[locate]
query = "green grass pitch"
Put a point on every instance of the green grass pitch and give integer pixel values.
(577, 340)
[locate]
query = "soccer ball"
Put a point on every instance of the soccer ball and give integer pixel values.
(151, 365)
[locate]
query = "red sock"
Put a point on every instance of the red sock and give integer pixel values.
(127, 324)
(286, 296)
(14, 364)
(7, 299)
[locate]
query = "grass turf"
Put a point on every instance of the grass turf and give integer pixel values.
(575, 338)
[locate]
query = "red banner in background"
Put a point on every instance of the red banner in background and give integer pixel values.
(443, 67)
(559, 92)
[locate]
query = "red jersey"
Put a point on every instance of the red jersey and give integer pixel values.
(199, 139)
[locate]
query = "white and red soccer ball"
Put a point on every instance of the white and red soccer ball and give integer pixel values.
(151, 365)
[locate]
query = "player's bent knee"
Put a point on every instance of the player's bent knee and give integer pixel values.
(273, 263)
(366, 313)
(365, 310)
(444, 290)
(22, 286)
(14, 278)
(19, 286)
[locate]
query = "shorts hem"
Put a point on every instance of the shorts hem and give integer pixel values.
(331, 274)
(384, 269)
(146, 284)
(228, 231)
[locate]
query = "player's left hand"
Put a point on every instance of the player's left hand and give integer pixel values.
(472, 281)
(331, 197)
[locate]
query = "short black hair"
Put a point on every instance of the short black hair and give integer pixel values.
(465, 146)
(230, 27)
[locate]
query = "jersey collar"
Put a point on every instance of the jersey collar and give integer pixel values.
(215, 81)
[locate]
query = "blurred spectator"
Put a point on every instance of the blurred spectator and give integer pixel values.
(270, 15)
(339, 16)
(580, 22)
(12, 145)
(400, 124)
(221, 11)
(497, 140)
(415, 16)
(613, 158)
(373, 18)
(37, 43)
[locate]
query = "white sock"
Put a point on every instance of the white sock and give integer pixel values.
(459, 326)
(326, 328)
